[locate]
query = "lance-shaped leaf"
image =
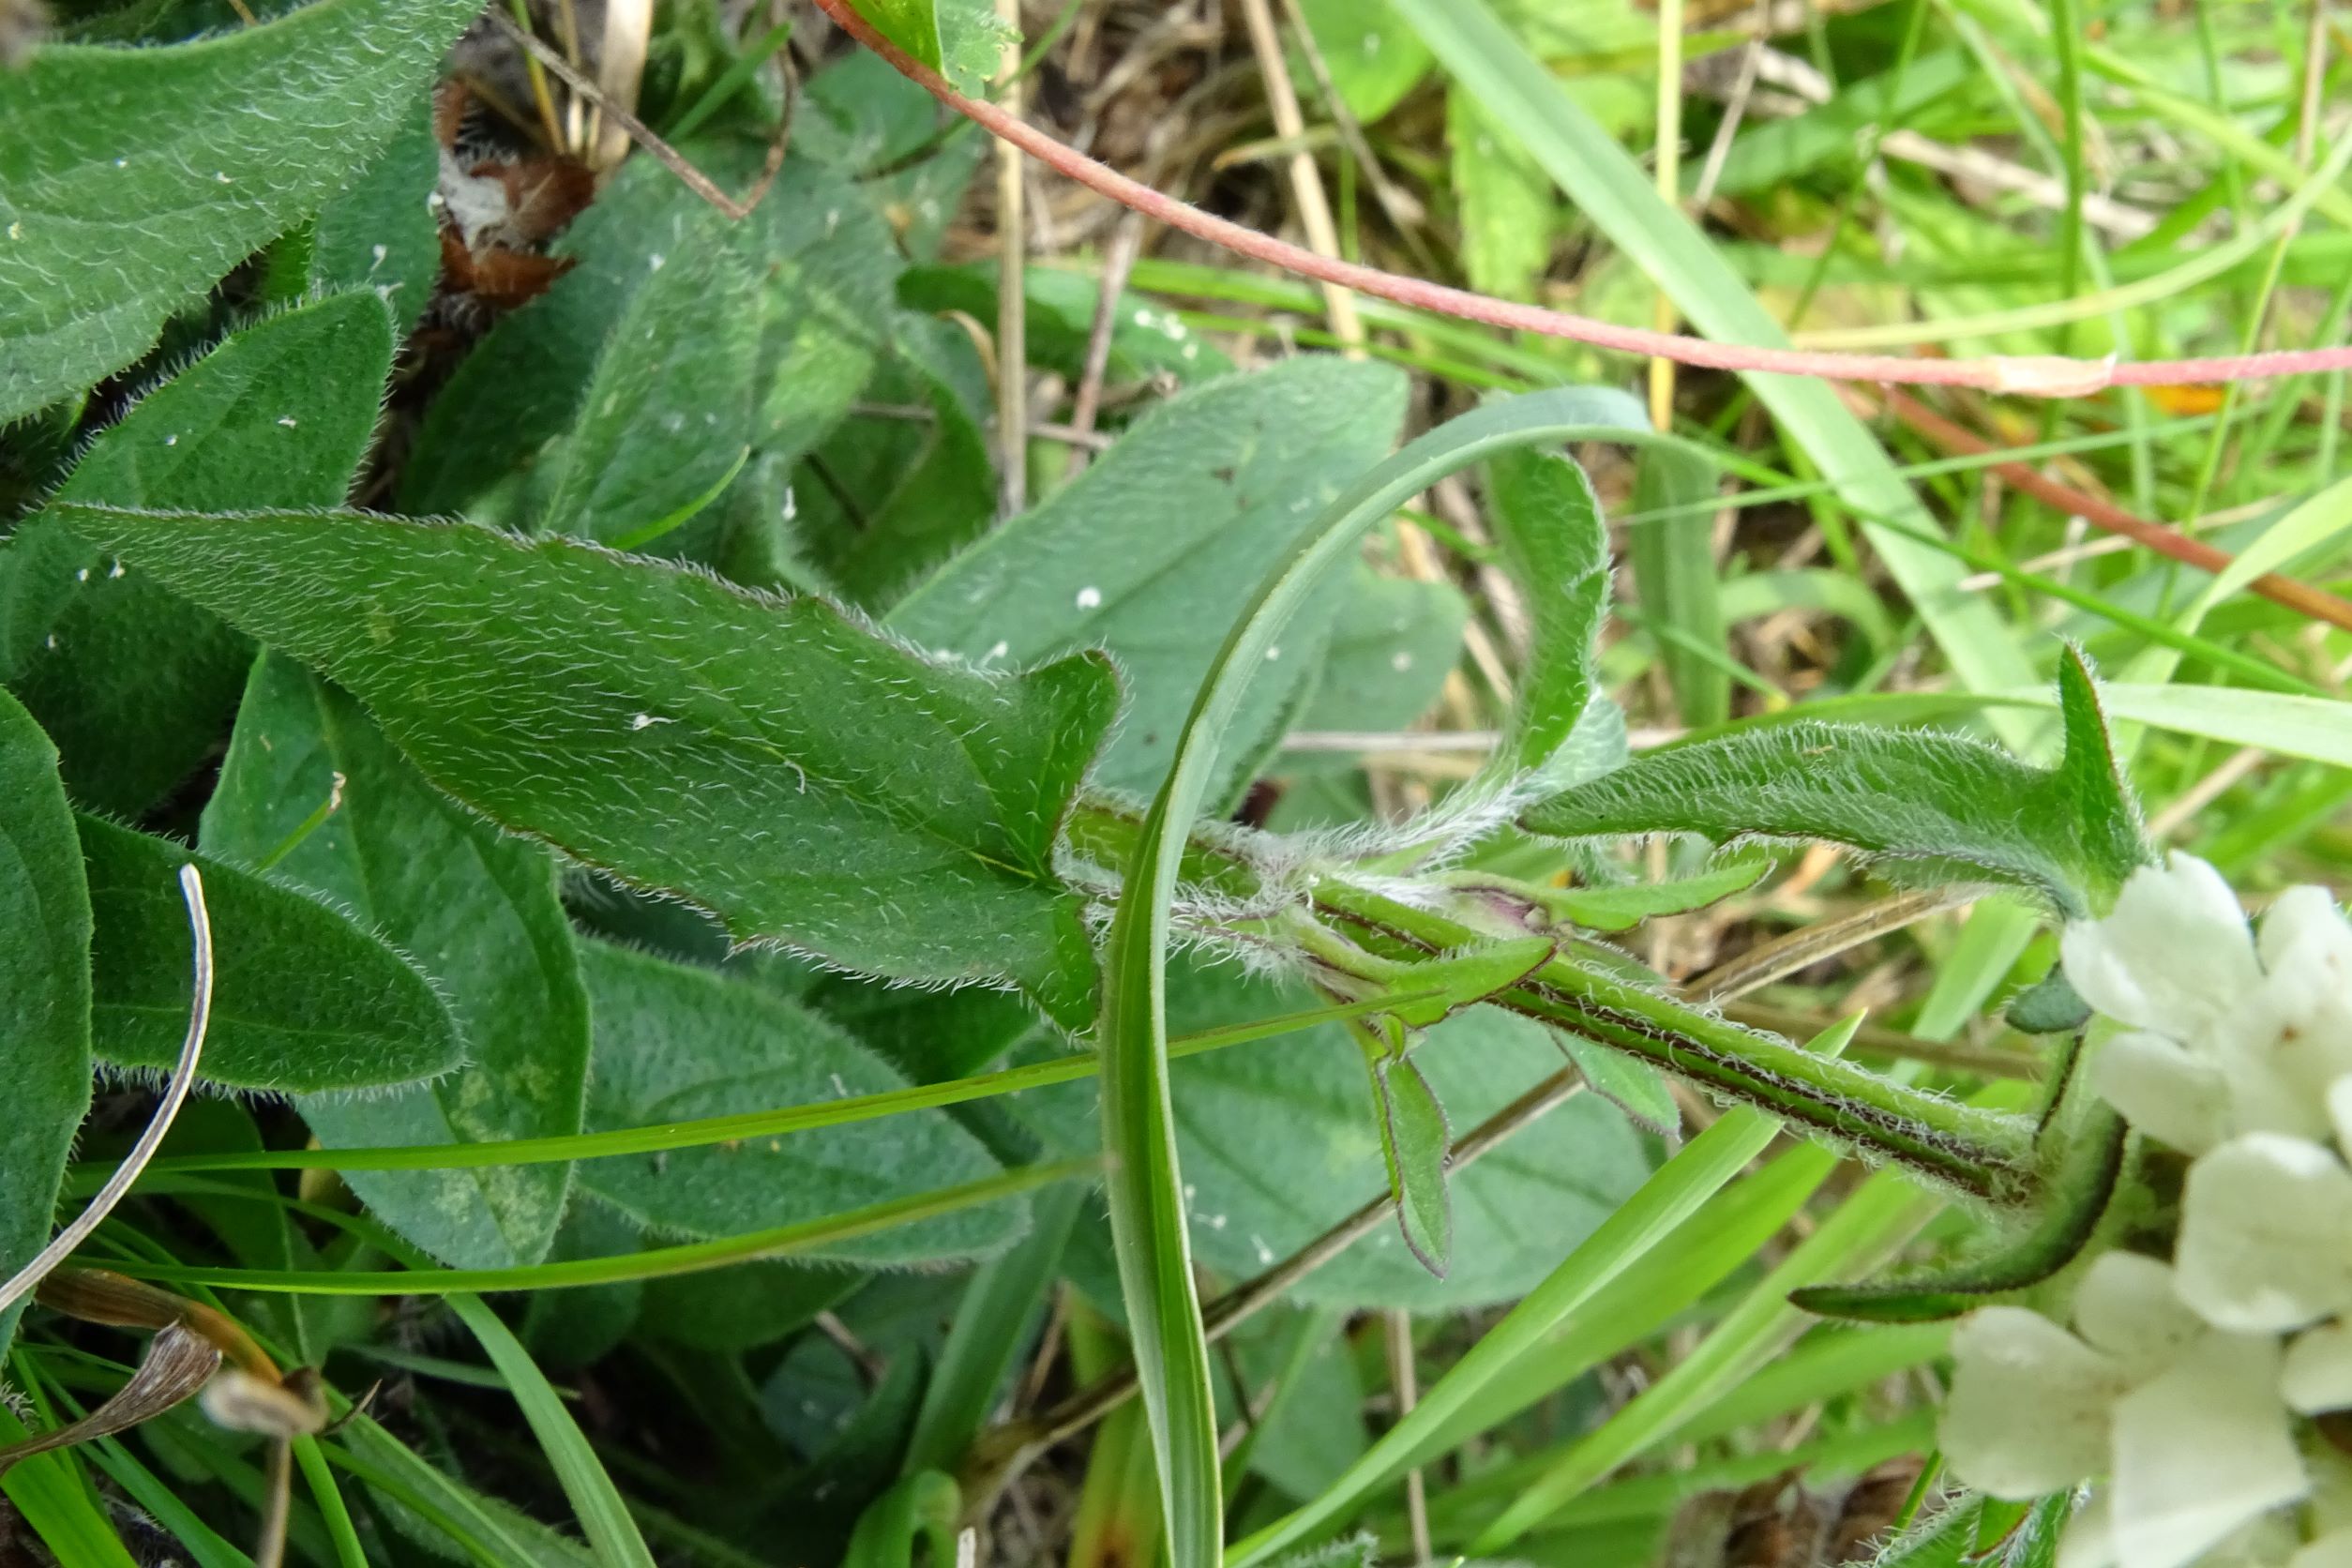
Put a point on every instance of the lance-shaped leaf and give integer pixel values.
(1547, 521)
(478, 911)
(303, 998)
(130, 179)
(1933, 807)
(771, 761)
(1415, 1140)
(44, 989)
(674, 1043)
(135, 684)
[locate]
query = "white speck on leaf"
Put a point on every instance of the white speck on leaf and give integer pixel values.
(646, 722)
(1090, 598)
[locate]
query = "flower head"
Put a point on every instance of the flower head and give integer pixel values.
(2184, 1384)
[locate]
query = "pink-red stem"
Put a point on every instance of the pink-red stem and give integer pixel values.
(2045, 376)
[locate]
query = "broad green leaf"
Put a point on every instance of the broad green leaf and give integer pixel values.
(44, 989)
(476, 910)
(770, 761)
(130, 179)
(1675, 573)
(885, 501)
(1279, 1142)
(380, 231)
(674, 1043)
(1548, 522)
(1373, 57)
(1619, 198)
(1930, 806)
(604, 1517)
(1153, 550)
(825, 264)
(1508, 211)
(136, 684)
(304, 1000)
(666, 419)
(1414, 1142)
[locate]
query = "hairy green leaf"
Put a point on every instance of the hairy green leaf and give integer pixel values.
(1153, 550)
(666, 419)
(44, 989)
(770, 761)
(1547, 521)
(675, 1042)
(135, 684)
(1932, 806)
(823, 265)
(304, 1000)
(380, 231)
(132, 178)
(476, 910)
(1619, 909)
(1630, 1084)
(1414, 1142)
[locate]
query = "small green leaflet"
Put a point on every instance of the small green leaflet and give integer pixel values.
(1415, 1140)
(1620, 909)
(130, 179)
(1547, 521)
(958, 38)
(477, 908)
(771, 761)
(674, 1042)
(1632, 1086)
(136, 685)
(44, 989)
(1930, 806)
(1155, 548)
(303, 998)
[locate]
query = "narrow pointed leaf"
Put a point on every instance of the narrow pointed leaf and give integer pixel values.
(176, 1362)
(1632, 1086)
(130, 179)
(1414, 1140)
(304, 1000)
(1467, 979)
(1933, 805)
(1547, 521)
(44, 989)
(1619, 909)
(770, 761)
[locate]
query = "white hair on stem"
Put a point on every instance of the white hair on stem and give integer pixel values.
(174, 1097)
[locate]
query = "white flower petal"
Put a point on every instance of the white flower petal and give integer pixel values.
(2332, 1550)
(2202, 1452)
(2163, 1090)
(2127, 1306)
(2266, 1234)
(2174, 954)
(2317, 1373)
(2027, 1414)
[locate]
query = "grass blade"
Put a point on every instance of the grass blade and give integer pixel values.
(611, 1533)
(1611, 188)
(1146, 1210)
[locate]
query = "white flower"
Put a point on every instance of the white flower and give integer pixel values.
(2187, 1421)
(2225, 1034)
(2266, 1234)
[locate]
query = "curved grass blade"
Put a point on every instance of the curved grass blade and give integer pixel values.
(603, 1515)
(1147, 1212)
